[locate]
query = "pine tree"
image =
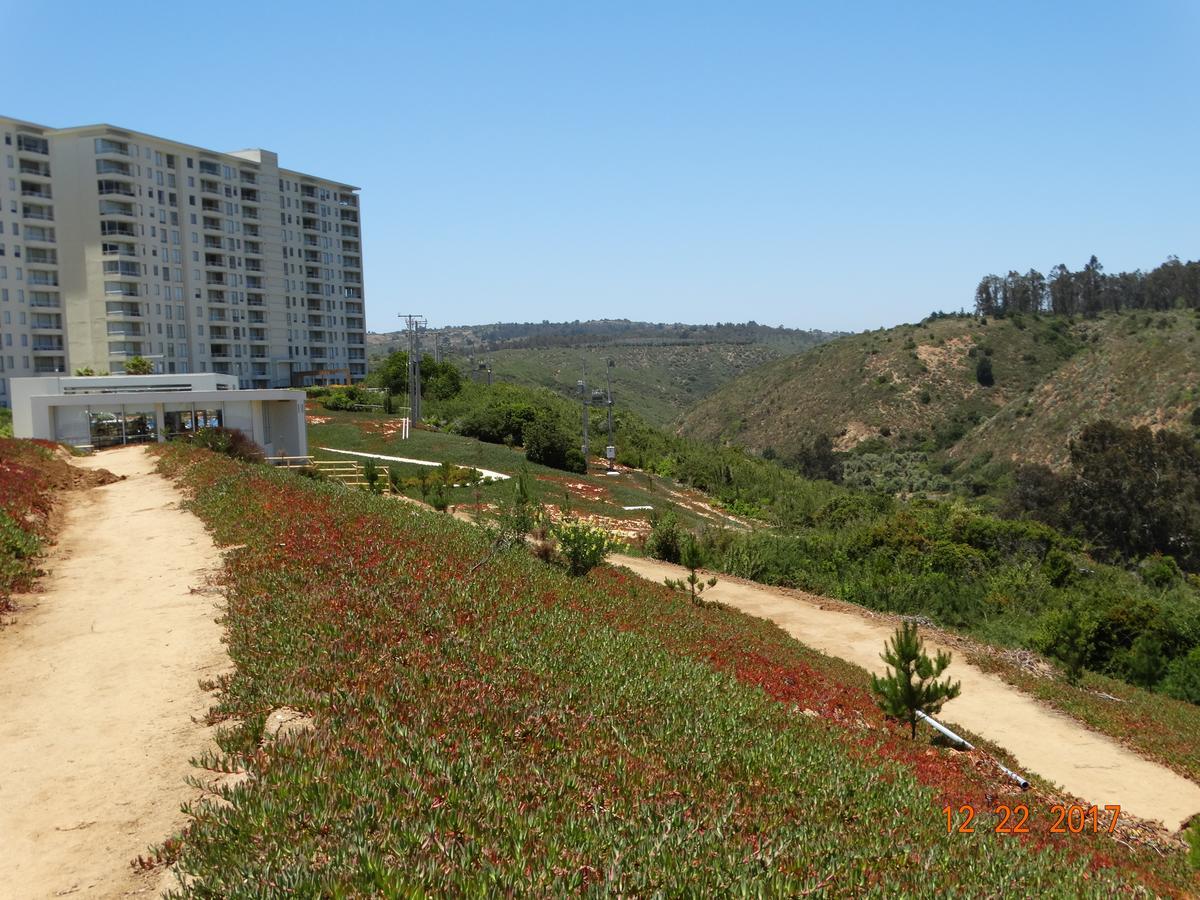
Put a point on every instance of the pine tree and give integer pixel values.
(691, 558)
(911, 683)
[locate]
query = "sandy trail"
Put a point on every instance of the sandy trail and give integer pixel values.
(1086, 764)
(99, 687)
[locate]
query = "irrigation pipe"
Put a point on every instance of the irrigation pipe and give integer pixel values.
(961, 740)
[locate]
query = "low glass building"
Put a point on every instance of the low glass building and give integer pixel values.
(107, 411)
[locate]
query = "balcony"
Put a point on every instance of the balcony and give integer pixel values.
(354, 309)
(219, 333)
(257, 318)
(307, 190)
(347, 200)
(123, 229)
(41, 257)
(44, 300)
(27, 143)
(124, 348)
(254, 283)
(318, 321)
(253, 248)
(211, 224)
(352, 293)
(106, 188)
(45, 322)
(352, 262)
(356, 340)
(112, 167)
(47, 344)
(308, 208)
(210, 187)
(217, 297)
(349, 216)
(118, 248)
(350, 246)
(126, 269)
(258, 335)
(314, 305)
(258, 353)
(254, 300)
(210, 206)
(107, 147)
(312, 272)
(220, 351)
(214, 260)
(37, 213)
(209, 168)
(119, 310)
(250, 229)
(310, 224)
(213, 243)
(36, 276)
(248, 177)
(121, 289)
(249, 195)
(253, 265)
(116, 208)
(249, 212)
(38, 234)
(317, 337)
(354, 324)
(215, 278)
(125, 329)
(312, 256)
(35, 168)
(313, 288)
(311, 241)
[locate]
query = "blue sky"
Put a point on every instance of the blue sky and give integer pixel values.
(834, 165)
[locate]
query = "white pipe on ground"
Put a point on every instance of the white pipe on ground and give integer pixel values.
(954, 737)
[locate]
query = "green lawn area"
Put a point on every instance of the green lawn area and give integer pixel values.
(604, 495)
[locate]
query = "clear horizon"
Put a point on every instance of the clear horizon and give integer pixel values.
(830, 168)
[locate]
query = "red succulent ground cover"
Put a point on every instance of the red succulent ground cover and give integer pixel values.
(29, 474)
(485, 724)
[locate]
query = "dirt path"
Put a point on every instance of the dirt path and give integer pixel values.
(99, 687)
(1086, 764)
(486, 473)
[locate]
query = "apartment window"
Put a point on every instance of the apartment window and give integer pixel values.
(190, 165)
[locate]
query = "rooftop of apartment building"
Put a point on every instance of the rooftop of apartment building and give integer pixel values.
(252, 155)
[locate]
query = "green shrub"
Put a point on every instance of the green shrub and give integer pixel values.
(548, 443)
(230, 442)
(665, 540)
(1183, 677)
(911, 683)
(582, 546)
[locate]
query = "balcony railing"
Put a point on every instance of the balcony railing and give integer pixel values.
(33, 276)
(105, 146)
(124, 229)
(39, 234)
(35, 168)
(209, 168)
(37, 213)
(27, 143)
(112, 167)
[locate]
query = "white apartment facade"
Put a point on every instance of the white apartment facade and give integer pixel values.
(116, 244)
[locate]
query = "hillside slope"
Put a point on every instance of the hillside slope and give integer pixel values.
(915, 387)
(1140, 369)
(904, 385)
(660, 369)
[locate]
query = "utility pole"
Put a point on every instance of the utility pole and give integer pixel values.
(414, 324)
(584, 397)
(610, 451)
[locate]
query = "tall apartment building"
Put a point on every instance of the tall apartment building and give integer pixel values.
(116, 244)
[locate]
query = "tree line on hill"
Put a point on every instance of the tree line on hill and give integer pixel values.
(1090, 291)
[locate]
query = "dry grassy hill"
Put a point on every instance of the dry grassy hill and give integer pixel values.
(915, 386)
